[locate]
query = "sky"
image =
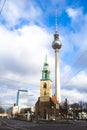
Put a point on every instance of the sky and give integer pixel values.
(27, 30)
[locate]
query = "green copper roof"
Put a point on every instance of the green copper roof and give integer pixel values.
(46, 70)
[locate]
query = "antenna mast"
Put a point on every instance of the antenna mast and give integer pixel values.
(56, 21)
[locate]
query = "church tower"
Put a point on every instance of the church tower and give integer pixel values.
(45, 83)
(45, 107)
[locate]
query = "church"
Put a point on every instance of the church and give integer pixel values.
(47, 105)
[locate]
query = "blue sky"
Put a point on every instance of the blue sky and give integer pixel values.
(26, 35)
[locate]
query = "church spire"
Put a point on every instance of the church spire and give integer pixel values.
(46, 65)
(46, 70)
(46, 59)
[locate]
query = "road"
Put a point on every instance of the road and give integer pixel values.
(8, 124)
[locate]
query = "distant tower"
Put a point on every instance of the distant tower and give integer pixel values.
(56, 45)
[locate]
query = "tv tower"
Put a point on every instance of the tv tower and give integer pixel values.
(56, 45)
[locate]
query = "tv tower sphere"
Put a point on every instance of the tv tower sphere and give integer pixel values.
(56, 43)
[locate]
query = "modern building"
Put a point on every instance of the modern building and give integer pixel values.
(21, 103)
(22, 98)
(47, 105)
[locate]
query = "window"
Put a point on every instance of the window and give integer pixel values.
(44, 93)
(45, 85)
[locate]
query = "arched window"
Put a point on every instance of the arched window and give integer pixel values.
(45, 75)
(45, 85)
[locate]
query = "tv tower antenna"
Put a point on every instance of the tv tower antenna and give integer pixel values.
(56, 21)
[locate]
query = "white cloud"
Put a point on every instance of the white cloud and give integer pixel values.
(76, 16)
(74, 13)
(22, 54)
(80, 81)
(7, 97)
(26, 49)
(73, 95)
(80, 37)
(15, 11)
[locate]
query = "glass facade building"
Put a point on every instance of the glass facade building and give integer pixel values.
(22, 98)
